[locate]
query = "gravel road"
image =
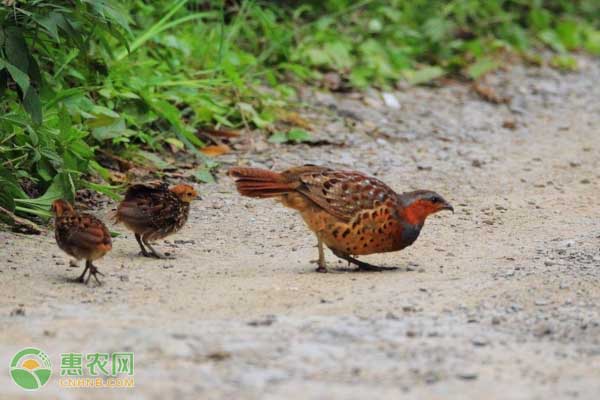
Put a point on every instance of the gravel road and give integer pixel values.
(499, 301)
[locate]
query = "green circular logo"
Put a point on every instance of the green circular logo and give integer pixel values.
(30, 368)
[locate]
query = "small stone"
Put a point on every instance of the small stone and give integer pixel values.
(509, 124)
(267, 321)
(496, 321)
(391, 315)
(18, 311)
(542, 302)
(390, 100)
(218, 356)
(431, 377)
(467, 375)
(480, 341)
(180, 241)
(542, 330)
(217, 205)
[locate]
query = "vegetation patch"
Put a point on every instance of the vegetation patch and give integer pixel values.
(90, 89)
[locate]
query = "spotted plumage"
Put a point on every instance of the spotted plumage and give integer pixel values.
(80, 235)
(155, 211)
(350, 212)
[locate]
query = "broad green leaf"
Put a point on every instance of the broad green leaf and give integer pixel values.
(564, 62)
(154, 159)
(35, 75)
(7, 201)
(551, 39)
(298, 135)
(111, 129)
(178, 144)
(540, 18)
(60, 188)
(339, 54)
(19, 76)
(423, 75)
(569, 33)
(278, 137)
(50, 23)
(204, 175)
(33, 105)
(375, 25)
(591, 44)
(16, 50)
(109, 190)
(482, 67)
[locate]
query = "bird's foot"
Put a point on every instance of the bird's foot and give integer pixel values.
(363, 266)
(157, 254)
(161, 256)
(81, 278)
(321, 265)
(144, 253)
(94, 272)
(369, 267)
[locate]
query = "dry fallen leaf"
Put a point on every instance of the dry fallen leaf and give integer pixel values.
(217, 150)
(293, 118)
(509, 124)
(489, 94)
(117, 177)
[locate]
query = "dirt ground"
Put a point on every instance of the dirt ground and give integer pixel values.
(499, 301)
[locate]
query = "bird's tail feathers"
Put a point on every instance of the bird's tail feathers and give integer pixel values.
(261, 183)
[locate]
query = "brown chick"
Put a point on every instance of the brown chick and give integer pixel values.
(81, 236)
(155, 211)
(350, 212)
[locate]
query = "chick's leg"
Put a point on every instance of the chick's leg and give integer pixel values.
(156, 253)
(82, 276)
(93, 272)
(144, 252)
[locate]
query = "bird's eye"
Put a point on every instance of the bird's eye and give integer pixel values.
(436, 199)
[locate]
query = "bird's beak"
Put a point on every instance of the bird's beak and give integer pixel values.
(448, 207)
(198, 197)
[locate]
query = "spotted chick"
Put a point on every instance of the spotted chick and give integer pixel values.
(155, 211)
(82, 236)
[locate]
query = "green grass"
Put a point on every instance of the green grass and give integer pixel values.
(136, 78)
